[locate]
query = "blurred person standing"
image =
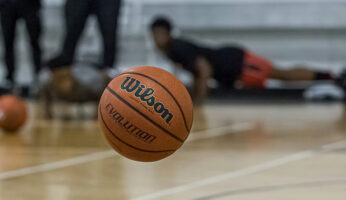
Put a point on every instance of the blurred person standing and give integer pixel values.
(11, 11)
(76, 15)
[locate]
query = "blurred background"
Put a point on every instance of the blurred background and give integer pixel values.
(310, 32)
(268, 143)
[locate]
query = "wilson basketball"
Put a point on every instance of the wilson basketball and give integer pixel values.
(145, 113)
(13, 113)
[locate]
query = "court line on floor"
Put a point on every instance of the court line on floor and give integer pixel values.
(57, 165)
(334, 146)
(219, 131)
(241, 172)
(276, 187)
(198, 135)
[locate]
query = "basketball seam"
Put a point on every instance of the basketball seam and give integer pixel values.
(143, 115)
(139, 149)
(169, 92)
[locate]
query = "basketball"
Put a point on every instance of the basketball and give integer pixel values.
(145, 113)
(13, 113)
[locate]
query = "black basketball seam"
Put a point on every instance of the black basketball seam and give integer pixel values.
(100, 112)
(108, 139)
(143, 115)
(169, 92)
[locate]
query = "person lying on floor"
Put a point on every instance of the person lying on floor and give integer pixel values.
(227, 65)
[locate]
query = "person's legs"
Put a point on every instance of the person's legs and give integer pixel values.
(76, 14)
(33, 25)
(257, 70)
(107, 12)
(8, 24)
(299, 74)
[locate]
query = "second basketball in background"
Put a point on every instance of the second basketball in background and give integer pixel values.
(146, 114)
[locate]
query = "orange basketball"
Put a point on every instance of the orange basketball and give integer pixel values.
(145, 113)
(13, 113)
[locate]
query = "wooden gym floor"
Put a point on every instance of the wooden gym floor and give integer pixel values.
(236, 151)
